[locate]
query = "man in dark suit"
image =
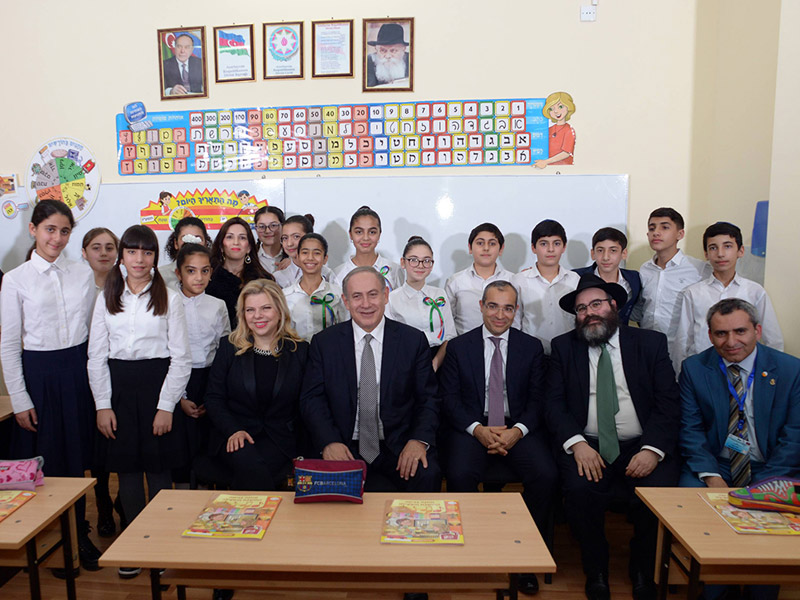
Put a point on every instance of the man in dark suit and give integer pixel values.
(370, 392)
(609, 249)
(492, 387)
(740, 410)
(613, 408)
(183, 73)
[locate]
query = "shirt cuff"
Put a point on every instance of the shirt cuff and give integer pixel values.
(102, 403)
(471, 428)
(656, 450)
(702, 476)
(21, 402)
(571, 442)
(522, 428)
(427, 445)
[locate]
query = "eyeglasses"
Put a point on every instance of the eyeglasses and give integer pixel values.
(274, 226)
(594, 305)
(414, 261)
(508, 309)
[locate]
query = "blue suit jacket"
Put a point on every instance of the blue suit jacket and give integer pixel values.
(462, 380)
(633, 279)
(776, 410)
(409, 402)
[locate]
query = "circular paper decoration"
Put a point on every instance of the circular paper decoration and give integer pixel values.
(65, 169)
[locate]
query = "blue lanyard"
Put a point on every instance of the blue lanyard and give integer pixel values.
(732, 390)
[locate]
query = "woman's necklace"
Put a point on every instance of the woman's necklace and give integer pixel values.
(261, 352)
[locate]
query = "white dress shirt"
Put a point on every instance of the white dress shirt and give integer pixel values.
(464, 290)
(307, 317)
(292, 274)
(267, 261)
(391, 272)
(688, 333)
(660, 289)
(539, 312)
(169, 276)
(46, 306)
(488, 354)
(377, 351)
(207, 321)
(626, 419)
(137, 334)
(407, 306)
(746, 367)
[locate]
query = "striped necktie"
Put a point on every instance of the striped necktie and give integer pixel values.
(740, 462)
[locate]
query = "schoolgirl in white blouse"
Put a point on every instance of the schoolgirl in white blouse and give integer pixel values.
(365, 233)
(269, 221)
(421, 305)
(189, 230)
(139, 365)
(46, 309)
(293, 230)
(315, 304)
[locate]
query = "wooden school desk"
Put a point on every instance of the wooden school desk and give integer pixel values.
(694, 538)
(5, 408)
(327, 546)
(29, 535)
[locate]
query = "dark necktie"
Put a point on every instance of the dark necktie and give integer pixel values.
(184, 76)
(607, 408)
(740, 462)
(368, 435)
(496, 408)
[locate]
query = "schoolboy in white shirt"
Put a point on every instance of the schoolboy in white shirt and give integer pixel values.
(667, 273)
(688, 335)
(542, 286)
(465, 288)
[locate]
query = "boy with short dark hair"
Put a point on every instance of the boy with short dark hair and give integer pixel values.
(609, 249)
(541, 286)
(465, 288)
(667, 273)
(722, 243)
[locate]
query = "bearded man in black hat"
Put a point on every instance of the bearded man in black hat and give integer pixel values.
(389, 62)
(613, 407)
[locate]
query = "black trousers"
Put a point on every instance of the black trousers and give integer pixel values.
(383, 476)
(530, 458)
(586, 502)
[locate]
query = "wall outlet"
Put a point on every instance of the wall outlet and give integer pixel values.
(589, 13)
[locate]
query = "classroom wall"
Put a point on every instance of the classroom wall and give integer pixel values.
(784, 215)
(677, 95)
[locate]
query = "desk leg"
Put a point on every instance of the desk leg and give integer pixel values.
(665, 556)
(33, 570)
(155, 584)
(66, 545)
(694, 580)
(181, 592)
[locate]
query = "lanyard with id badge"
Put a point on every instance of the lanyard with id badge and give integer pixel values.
(735, 441)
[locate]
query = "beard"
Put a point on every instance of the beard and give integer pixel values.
(388, 70)
(596, 330)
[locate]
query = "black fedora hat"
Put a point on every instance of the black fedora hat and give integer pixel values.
(389, 34)
(588, 281)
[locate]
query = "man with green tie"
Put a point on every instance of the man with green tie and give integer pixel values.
(613, 409)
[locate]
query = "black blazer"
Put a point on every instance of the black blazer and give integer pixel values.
(650, 378)
(232, 403)
(172, 74)
(409, 403)
(462, 380)
(633, 279)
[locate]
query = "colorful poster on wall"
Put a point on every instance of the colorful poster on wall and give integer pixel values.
(387, 135)
(64, 169)
(211, 204)
(10, 200)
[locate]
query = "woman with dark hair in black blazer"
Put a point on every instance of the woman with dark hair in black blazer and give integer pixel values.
(254, 388)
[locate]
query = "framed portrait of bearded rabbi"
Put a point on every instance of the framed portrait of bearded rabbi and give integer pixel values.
(388, 55)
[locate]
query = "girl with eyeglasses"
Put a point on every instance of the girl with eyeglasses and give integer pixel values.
(269, 221)
(421, 305)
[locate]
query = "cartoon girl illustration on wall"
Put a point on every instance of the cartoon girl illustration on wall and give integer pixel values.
(558, 108)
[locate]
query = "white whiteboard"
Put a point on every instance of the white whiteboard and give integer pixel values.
(443, 210)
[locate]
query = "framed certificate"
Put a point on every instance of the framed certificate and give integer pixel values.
(332, 48)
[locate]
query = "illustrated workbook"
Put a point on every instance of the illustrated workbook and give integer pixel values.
(422, 522)
(11, 500)
(241, 516)
(752, 521)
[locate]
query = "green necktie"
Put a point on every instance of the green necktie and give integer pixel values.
(607, 407)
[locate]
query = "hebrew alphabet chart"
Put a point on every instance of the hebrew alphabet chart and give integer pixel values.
(353, 136)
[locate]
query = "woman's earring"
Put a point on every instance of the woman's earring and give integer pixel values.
(247, 259)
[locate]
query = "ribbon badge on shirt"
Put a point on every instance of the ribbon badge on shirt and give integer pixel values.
(325, 301)
(384, 271)
(435, 306)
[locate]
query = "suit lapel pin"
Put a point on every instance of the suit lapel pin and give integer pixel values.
(763, 373)
(772, 382)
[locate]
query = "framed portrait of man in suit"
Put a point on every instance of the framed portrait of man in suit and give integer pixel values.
(388, 55)
(182, 63)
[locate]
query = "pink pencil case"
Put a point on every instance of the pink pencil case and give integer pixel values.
(24, 474)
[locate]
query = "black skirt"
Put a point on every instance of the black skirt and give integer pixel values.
(58, 385)
(135, 388)
(194, 432)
